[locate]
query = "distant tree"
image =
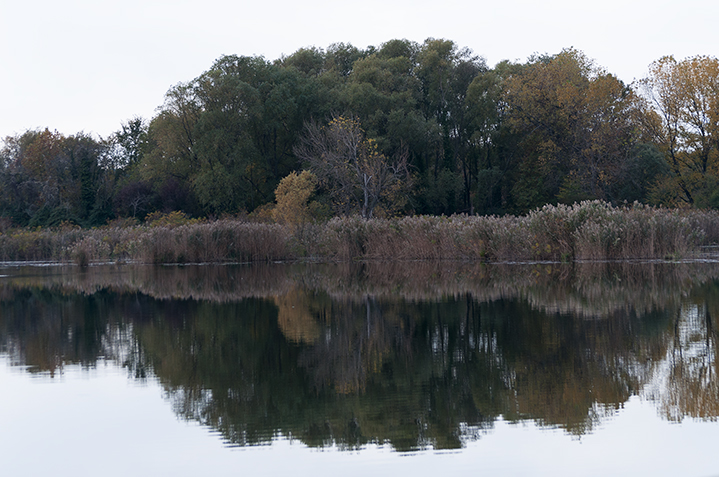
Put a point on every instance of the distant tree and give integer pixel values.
(341, 57)
(48, 178)
(492, 159)
(172, 137)
(349, 165)
(86, 157)
(576, 126)
(309, 61)
(446, 72)
(129, 143)
(684, 99)
(228, 135)
(231, 173)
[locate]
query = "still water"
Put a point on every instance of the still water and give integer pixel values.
(541, 369)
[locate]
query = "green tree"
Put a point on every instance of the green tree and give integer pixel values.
(129, 144)
(493, 141)
(86, 155)
(446, 72)
(309, 61)
(341, 57)
(229, 134)
(230, 171)
(171, 153)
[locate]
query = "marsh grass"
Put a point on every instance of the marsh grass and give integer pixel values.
(591, 230)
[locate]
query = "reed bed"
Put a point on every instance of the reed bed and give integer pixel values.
(591, 230)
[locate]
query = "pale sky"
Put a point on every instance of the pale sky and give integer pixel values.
(64, 429)
(89, 65)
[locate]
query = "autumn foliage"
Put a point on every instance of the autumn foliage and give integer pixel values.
(401, 129)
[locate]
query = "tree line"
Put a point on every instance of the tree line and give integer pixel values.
(425, 128)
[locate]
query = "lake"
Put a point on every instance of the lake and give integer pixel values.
(352, 369)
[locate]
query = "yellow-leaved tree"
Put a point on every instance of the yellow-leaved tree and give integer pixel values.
(293, 198)
(684, 98)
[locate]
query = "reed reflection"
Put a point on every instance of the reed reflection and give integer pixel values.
(429, 355)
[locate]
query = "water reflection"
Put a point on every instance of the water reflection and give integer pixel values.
(410, 355)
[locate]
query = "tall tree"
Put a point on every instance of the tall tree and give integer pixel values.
(577, 126)
(48, 178)
(231, 173)
(684, 96)
(172, 137)
(229, 133)
(446, 72)
(492, 141)
(357, 175)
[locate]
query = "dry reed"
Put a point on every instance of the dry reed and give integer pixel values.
(591, 230)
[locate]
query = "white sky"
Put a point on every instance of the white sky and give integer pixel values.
(89, 65)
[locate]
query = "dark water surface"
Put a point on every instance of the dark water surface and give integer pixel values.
(549, 369)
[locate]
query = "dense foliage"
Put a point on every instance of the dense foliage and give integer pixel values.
(469, 139)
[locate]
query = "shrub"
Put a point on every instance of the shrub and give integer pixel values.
(171, 219)
(293, 195)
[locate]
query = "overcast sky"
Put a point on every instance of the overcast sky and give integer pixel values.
(89, 65)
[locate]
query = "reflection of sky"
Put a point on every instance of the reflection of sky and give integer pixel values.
(100, 422)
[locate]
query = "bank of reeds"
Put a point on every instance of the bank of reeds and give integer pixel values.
(591, 230)
(588, 231)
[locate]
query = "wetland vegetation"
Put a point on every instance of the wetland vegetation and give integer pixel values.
(402, 129)
(587, 231)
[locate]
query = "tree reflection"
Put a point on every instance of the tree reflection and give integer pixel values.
(353, 355)
(686, 383)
